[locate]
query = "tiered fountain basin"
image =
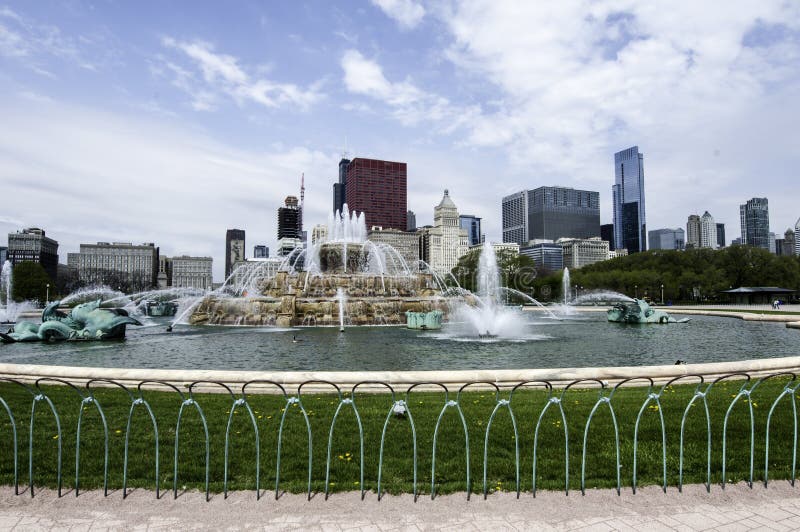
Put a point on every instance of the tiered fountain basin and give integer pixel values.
(341, 288)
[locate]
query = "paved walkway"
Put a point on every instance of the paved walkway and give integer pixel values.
(736, 508)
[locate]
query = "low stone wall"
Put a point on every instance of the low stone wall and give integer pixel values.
(398, 379)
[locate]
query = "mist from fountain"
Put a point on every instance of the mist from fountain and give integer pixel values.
(565, 284)
(9, 309)
(601, 296)
(488, 318)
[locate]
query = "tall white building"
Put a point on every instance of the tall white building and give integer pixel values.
(693, 231)
(445, 242)
(708, 231)
(797, 237)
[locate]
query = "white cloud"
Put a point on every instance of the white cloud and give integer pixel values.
(410, 104)
(407, 13)
(88, 176)
(221, 74)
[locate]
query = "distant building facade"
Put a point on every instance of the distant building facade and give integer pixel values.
(630, 227)
(754, 221)
(3, 255)
(472, 225)
(666, 239)
(33, 245)
(120, 265)
(771, 242)
(693, 231)
(192, 272)
(444, 243)
(721, 241)
(260, 252)
(289, 219)
(411, 221)
(379, 190)
(584, 251)
(607, 234)
(406, 243)
(340, 188)
(550, 213)
(234, 249)
(789, 243)
(708, 231)
(515, 218)
(319, 233)
(548, 256)
(559, 212)
(797, 238)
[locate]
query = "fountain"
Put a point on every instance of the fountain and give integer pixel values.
(638, 311)
(565, 284)
(9, 309)
(346, 274)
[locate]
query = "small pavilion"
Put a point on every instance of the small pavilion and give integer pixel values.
(758, 295)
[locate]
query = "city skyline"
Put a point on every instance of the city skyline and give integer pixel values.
(119, 115)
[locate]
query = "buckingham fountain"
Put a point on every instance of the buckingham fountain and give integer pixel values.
(346, 279)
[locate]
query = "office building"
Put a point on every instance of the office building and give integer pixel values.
(779, 244)
(550, 213)
(164, 275)
(630, 227)
(693, 231)
(319, 233)
(3, 255)
(607, 234)
(121, 265)
(33, 245)
(708, 231)
(548, 256)
(796, 238)
(443, 244)
(736, 241)
(260, 252)
(771, 243)
(515, 218)
(472, 225)
(406, 243)
(666, 239)
(721, 235)
(234, 249)
(340, 188)
(754, 221)
(192, 272)
(378, 189)
(788, 243)
(580, 252)
(411, 221)
(289, 219)
(559, 212)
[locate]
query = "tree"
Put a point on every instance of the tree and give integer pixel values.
(30, 282)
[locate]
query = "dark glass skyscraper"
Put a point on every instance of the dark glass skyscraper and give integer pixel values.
(558, 212)
(340, 188)
(630, 228)
(472, 224)
(754, 219)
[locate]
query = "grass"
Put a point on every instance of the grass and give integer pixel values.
(398, 458)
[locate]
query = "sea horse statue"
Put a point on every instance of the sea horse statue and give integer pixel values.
(86, 321)
(638, 311)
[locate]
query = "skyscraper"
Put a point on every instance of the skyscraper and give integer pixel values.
(515, 218)
(630, 227)
(411, 221)
(234, 249)
(472, 224)
(445, 242)
(754, 219)
(708, 231)
(289, 219)
(666, 238)
(721, 235)
(607, 234)
(340, 188)
(559, 212)
(771, 243)
(378, 189)
(693, 231)
(788, 243)
(32, 245)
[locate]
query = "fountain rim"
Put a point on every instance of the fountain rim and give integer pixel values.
(450, 378)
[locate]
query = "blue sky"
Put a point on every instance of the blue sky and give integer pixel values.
(171, 122)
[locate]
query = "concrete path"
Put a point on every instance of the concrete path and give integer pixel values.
(736, 508)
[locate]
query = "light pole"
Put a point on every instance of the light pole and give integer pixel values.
(662, 294)
(47, 297)
(576, 291)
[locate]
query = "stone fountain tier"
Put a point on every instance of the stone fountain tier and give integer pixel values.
(300, 299)
(292, 310)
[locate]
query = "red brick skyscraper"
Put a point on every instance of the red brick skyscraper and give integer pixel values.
(378, 188)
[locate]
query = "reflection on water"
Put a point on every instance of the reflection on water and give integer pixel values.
(584, 340)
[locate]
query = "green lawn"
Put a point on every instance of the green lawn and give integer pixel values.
(398, 456)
